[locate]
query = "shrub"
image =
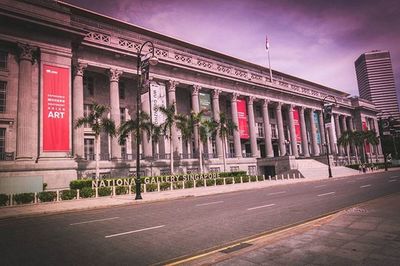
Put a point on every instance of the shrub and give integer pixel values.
(80, 183)
(229, 180)
(68, 194)
(237, 179)
(151, 187)
(104, 191)
(253, 178)
(210, 182)
(245, 179)
(178, 185)
(3, 199)
(47, 196)
(200, 183)
(165, 186)
(121, 190)
(189, 184)
(233, 174)
(24, 198)
(86, 192)
(220, 181)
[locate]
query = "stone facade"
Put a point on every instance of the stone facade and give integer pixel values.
(101, 53)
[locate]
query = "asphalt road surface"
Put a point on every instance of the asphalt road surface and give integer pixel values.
(153, 233)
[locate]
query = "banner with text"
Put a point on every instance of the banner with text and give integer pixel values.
(317, 126)
(367, 145)
(158, 99)
(242, 117)
(55, 108)
(297, 124)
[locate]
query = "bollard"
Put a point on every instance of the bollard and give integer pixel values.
(233, 180)
(183, 184)
(215, 182)
(158, 186)
(35, 198)
(129, 190)
(172, 186)
(77, 194)
(194, 183)
(205, 182)
(113, 191)
(263, 177)
(11, 199)
(269, 178)
(241, 180)
(144, 188)
(58, 195)
(224, 181)
(97, 192)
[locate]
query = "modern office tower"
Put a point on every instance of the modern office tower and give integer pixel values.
(376, 82)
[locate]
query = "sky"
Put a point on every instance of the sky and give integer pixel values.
(317, 40)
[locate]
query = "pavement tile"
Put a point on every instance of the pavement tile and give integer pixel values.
(357, 246)
(356, 256)
(378, 259)
(328, 259)
(342, 236)
(389, 227)
(364, 225)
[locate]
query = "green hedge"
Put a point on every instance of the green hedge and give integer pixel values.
(233, 174)
(189, 184)
(200, 183)
(165, 186)
(104, 191)
(229, 180)
(220, 181)
(245, 179)
(24, 198)
(121, 190)
(80, 183)
(210, 182)
(237, 179)
(86, 192)
(68, 194)
(47, 196)
(253, 178)
(3, 199)
(151, 187)
(178, 185)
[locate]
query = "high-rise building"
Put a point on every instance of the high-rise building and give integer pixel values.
(376, 82)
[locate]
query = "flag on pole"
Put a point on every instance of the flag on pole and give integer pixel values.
(266, 42)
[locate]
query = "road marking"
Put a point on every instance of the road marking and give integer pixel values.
(392, 180)
(276, 193)
(325, 194)
(352, 181)
(320, 186)
(392, 177)
(93, 221)
(365, 186)
(259, 207)
(135, 231)
(209, 203)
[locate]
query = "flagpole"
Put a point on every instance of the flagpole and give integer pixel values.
(269, 64)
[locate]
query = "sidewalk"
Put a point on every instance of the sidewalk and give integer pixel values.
(365, 235)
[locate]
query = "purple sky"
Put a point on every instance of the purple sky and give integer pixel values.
(317, 40)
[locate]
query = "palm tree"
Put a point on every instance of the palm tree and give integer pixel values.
(347, 140)
(130, 127)
(156, 133)
(186, 125)
(98, 122)
(359, 138)
(225, 128)
(167, 127)
(201, 131)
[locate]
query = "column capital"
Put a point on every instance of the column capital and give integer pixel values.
(234, 96)
(266, 102)
(301, 109)
(278, 106)
(114, 74)
(251, 100)
(172, 85)
(79, 69)
(195, 90)
(26, 52)
(215, 93)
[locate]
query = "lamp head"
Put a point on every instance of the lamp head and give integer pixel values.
(153, 60)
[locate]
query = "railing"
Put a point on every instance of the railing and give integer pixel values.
(246, 155)
(230, 155)
(7, 156)
(207, 156)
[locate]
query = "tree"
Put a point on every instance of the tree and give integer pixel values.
(97, 122)
(167, 126)
(347, 140)
(186, 125)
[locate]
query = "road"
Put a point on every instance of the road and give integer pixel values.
(152, 233)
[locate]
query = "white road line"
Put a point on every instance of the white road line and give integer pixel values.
(320, 186)
(209, 203)
(259, 207)
(392, 180)
(365, 186)
(325, 194)
(392, 177)
(93, 221)
(135, 231)
(276, 193)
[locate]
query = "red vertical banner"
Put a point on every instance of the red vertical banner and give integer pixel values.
(242, 117)
(55, 112)
(367, 146)
(297, 124)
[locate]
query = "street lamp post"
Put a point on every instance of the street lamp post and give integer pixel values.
(326, 138)
(143, 67)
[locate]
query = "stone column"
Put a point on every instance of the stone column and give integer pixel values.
(196, 110)
(172, 100)
(114, 75)
(322, 129)
(216, 113)
(376, 128)
(342, 120)
(77, 110)
(252, 127)
(26, 119)
(235, 120)
(147, 144)
(292, 130)
(332, 139)
(267, 130)
(338, 133)
(313, 135)
(303, 128)
(281, 134)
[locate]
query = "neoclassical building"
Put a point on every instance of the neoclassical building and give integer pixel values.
(56, 60)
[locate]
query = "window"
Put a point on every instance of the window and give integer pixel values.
(258, 111)
(260, 130)
(234, 168)
(231, 149)
(87, 108)
(88, 85)
(122, 114)
(121, 88)
(252, 170)
(89, 149)
(3, 96)
(2, 141)
(214, 170)
(3, 59)
(274, 134)
(271, 113)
